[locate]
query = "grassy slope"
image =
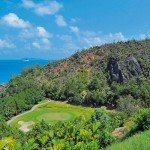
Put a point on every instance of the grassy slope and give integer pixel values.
(52, 112)
(137, 142)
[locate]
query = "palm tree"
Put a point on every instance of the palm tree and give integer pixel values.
(7, 143)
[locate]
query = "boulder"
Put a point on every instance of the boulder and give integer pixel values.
(121, 71)
(115, 70)
(133, 66)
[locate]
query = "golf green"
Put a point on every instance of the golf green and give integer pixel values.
(51, 112)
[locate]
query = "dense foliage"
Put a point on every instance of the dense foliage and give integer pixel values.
(13, 105)
(82, 133)
(115, 75)
(84, 78)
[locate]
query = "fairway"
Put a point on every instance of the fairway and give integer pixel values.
(50, 112)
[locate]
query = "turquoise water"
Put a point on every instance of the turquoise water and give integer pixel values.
(11, 68)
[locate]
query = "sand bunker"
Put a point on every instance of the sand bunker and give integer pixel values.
(24, 126)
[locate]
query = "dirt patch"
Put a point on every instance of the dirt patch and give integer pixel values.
(119, 132)
(24, 126)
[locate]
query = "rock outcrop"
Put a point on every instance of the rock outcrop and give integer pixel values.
(130, 67)
(133, 66)
(115, 70)
(3, 87)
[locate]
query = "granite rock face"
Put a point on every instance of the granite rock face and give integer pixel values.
(133, 66)
(120, 71)
(115, 70)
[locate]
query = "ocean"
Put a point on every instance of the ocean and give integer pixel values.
(11, 68)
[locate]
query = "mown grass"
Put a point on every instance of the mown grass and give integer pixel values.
(139, 141)
(52, 112)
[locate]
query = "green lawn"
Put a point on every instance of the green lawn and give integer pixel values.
(139, 141)
(52, 112)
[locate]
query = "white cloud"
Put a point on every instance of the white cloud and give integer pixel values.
(93, 38)
(92, 41)
(36, 45)
(74, 29)
(42, 32)
(6, 44)
(42, 44)
(27, 33)
(46, 41)
(13, 20)
(39, 37)
(65, 38)
(86, 39)
(35, 32)
(143, 36)
(60, 21)
(115, 37)
(74, 20)
(28, 3)
(44, 8)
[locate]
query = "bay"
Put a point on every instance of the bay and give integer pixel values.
(11, 68)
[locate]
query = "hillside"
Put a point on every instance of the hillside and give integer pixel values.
(96, 59)
(104, 66)
(114, 76)
(138, 142)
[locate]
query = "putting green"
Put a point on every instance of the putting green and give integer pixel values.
(51, 112)
(54, 116)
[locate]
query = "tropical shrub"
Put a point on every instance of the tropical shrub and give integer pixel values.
(128, 105)
(142, 120)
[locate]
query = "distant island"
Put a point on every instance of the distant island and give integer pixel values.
(34, 59)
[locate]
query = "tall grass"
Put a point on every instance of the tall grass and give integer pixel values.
(139, 141)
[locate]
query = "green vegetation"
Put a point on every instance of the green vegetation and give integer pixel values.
(80, 133)
(19, 102)
(52, 112)
(115, 75)
(138, 142)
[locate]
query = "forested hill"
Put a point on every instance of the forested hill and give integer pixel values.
(97, 59)
(110, 75)
(116, 76)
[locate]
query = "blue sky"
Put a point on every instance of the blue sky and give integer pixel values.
(54, 29)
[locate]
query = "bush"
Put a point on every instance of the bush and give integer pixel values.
(95, 84)
(19, 102)
(128, 105)
(101, 116)
(96, 98)
(106, 139)
(76, 98)
(142, 120)
(117, 119)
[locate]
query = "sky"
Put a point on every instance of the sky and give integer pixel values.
(55, 29)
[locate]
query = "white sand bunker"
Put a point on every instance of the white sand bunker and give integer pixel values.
(24, 126)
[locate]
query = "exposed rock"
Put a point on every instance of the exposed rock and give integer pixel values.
(3, 86)
(133, 66)
(115, 70)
